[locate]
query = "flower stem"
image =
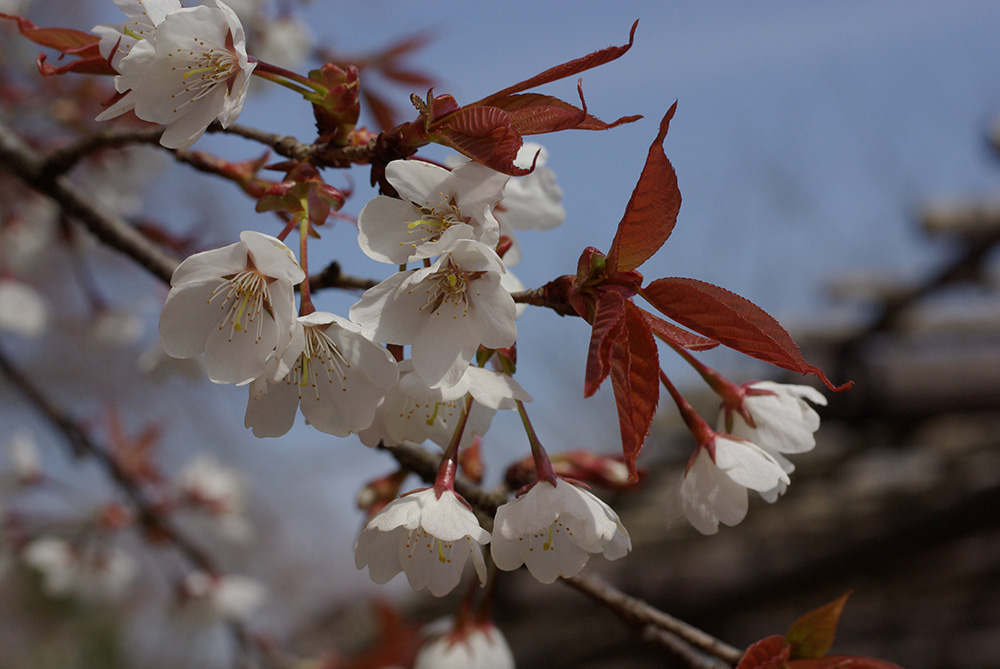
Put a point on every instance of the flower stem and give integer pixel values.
(449, 462)
(543, 467)
(731, 394)
(291, 80)
(699, 428)
(305, 299)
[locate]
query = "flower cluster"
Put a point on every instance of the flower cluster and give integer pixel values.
(180, 66)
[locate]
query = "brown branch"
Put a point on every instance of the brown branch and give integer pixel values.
(640, 615)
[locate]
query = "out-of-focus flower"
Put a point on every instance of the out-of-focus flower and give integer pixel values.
(28, 227)
(439, 208)
(92, 572)
(776, 417)
(427, 537)
(218, 492)
(479, 645)
(285, 41)
(444, 311)
(415, 412)
(22, 309)
(335, 375)
(23, 456)
(116, 328)
(554, 529)
(191, 70)
(714, 487)
(224, 597)
(236, 304)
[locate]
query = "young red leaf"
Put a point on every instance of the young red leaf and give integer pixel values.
(769, 653)
(733, 320)
(635, 367)
(651, 211)
(608, 322)
(812, 634)
(568, 69)
(484, 134)
(669, 332)
(65, 40)
(535, 114)
(842, 662)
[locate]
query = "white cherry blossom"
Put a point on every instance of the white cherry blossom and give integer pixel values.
(92, 571)
(554, 529)
(427, 537)
(217, 493)
(23, 310)
(225, 597)
(236, 304)
(191, 70)
(715, 490)
(783, 422)
(143, 18)
(444, 311)
(438, 208)
(330, 371)
(482, 646)
(24, 457)
(414, 412)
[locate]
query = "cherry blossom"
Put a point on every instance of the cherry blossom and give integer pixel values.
(479, 645)
(553, 529)
(218, 493)
(143, 18)
(224, 597)
(714, 487)
(438, 208)
(23, 456)
(236, 304)
(444, 311)
(191, 70)
(92, 571)
(335, 375)
(22, 309)
(414, 412)
(427, 537)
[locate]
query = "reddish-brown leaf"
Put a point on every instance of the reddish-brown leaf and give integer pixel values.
(812, 634)
(651, 211)
(568, 69)
(66, 40)
(671, 333)
(609, 320)
(635, 367)
(842, 662)
(484, 134)
(769, 653)
(535, 114)
(733, 320)
(93, 65)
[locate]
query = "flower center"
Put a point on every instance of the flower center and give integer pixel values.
(320, 359)
(203, 71)
(246, 296)
(434, 222)
(450, 285)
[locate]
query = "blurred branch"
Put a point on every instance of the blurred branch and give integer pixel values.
(157, 525)
(28, 165)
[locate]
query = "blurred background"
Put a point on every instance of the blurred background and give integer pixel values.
(838, 165)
